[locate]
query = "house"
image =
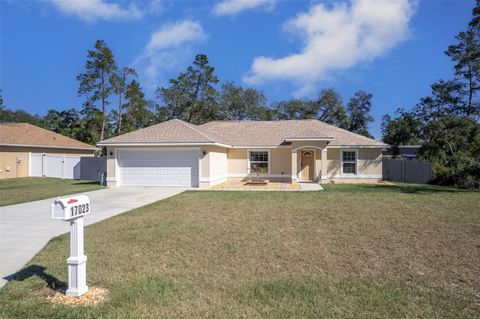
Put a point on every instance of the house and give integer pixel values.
(176, 153)
(404, 151)
(28, 150)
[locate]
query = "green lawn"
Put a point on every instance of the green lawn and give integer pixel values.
(20, 190)
(347, 252)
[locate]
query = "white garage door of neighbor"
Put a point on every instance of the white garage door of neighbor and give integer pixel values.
(158, 167)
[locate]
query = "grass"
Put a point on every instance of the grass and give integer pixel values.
(21, 190)
(401, 251)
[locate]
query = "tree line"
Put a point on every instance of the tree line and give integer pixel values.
(115, 102)
(446, 123)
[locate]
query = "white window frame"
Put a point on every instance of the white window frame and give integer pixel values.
(356, 161)
(259, 150)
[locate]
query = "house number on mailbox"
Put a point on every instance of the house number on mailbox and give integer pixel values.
(79, 209)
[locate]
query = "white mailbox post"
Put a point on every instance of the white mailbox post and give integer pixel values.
(74, 209)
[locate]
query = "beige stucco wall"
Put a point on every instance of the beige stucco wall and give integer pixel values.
(369, 163)
(333, 162)
(281, 162)
(111, 173)
(8, 157)
(8, 160)
(237, 161)
(213, 165)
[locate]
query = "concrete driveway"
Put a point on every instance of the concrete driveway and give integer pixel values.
(26, 228)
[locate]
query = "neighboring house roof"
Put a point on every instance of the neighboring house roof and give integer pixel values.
(242, 133)
(407, 151)
(25, 134)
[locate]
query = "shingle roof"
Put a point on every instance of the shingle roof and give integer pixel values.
(264, 133)
(31, 135)
(242, 133)
(173, 131)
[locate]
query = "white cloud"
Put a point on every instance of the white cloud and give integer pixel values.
(169, 48)
(336, 38)
(232, 7)
(92, 10)
(170, 35)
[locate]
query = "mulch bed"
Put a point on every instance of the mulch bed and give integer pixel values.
(93, 297)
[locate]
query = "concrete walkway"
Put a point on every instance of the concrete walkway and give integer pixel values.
(26, 228)
(310, 187)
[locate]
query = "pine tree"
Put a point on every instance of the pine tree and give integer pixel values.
(118, 81)
(192, 95)
(95, 81)
(137, 114)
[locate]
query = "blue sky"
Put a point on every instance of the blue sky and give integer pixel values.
(392, 49)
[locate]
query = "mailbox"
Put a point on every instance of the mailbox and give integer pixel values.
(71, 207)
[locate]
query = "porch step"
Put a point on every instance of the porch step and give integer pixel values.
(311, 187)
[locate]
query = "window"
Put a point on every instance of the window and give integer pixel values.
(259, 162)
(349, 162)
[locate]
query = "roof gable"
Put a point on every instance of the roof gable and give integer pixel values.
(308, 134)
(172, 131)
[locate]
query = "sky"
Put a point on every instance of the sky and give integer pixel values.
(393, 49)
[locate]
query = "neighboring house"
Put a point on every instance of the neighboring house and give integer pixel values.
(28, 150)
(176, 153)
(404, 151)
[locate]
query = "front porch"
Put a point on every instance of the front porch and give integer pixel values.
(242, 184)
(309, 163)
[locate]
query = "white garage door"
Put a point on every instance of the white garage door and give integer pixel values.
(165, 167)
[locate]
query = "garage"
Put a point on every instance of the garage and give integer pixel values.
(159, 167)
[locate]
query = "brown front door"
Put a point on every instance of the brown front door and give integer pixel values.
(307, 166)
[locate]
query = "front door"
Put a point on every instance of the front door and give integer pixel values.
(307, 166)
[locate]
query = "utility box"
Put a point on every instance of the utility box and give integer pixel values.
(71, 207)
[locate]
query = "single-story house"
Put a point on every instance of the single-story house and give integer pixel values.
(176, 153)
(29, 150)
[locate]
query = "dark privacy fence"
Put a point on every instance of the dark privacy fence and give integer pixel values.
(92, 167)
(407, 171)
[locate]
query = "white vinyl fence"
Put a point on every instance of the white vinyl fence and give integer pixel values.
(58, 166)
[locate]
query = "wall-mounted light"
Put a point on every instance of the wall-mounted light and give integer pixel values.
(204, 153)
(111, 153)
